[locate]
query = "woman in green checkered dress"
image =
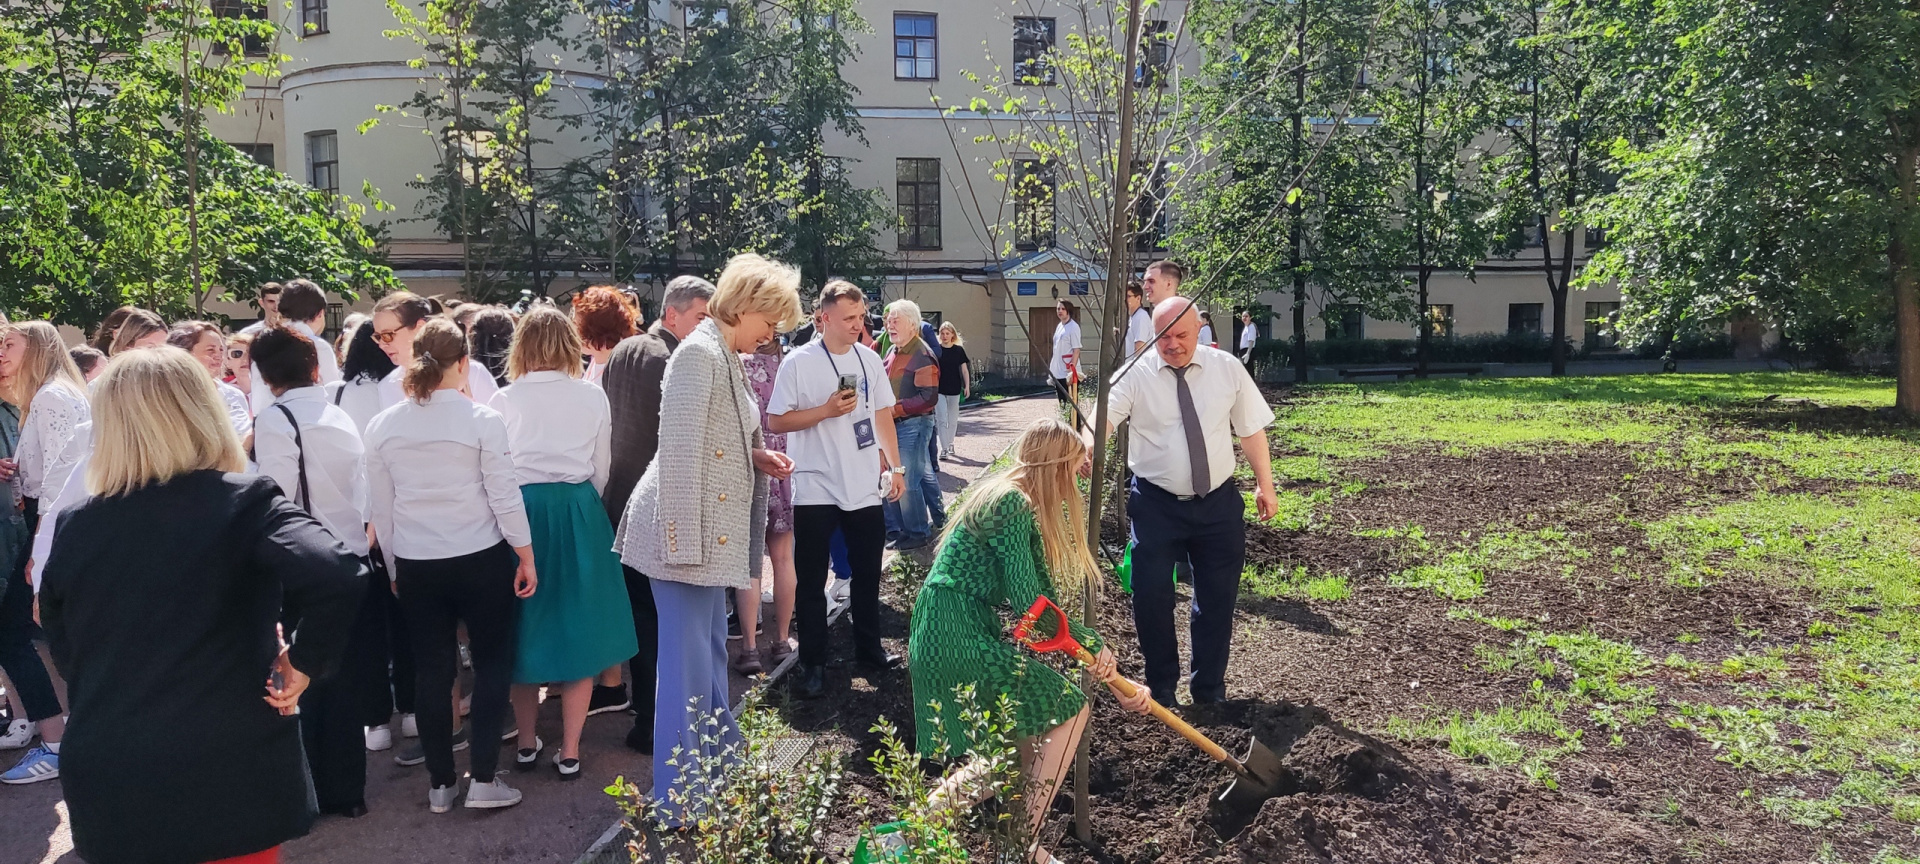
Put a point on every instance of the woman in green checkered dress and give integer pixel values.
(1016, 536)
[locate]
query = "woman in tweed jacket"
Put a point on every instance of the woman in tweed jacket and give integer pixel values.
(696, 520)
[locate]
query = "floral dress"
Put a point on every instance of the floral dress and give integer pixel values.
(761, 369)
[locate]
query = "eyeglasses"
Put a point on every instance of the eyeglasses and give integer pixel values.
(386, 337)
(236, 353)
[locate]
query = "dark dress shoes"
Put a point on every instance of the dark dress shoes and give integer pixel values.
(811, 682)
(879, 663)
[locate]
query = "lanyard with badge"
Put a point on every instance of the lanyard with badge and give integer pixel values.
(862, 429)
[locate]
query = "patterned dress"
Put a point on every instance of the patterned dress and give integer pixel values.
(761, 369)
(983, 579)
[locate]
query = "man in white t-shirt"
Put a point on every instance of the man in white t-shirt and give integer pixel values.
(1139, 320)
(831, 398)
(1066, 348)
(1249, 336)
(303, 307)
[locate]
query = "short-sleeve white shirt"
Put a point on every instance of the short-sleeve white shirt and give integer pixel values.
(828, 465)
(1147, 398)
(1066, 340)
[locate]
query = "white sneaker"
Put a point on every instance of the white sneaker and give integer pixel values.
(379, 738)
(490, 795)
(766, 594)
(19, 734)
(409, 727)
(440, 798)
(840, 587)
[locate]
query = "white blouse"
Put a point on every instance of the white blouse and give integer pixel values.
(361, 398)
(440, 481)
(559, 429)
(479, 380)
(239, 412)
(329, 446)
(47, 451)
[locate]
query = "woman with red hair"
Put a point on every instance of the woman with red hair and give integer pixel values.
(604, 316)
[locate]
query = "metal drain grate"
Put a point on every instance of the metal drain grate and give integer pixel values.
(787, 753)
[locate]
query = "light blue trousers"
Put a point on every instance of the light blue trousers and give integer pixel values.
(693, 676)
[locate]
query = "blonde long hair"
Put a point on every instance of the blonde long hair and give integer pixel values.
(156, 416)
(1046, 458)
(46, 362)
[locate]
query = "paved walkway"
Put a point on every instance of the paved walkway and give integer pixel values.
(556, 822)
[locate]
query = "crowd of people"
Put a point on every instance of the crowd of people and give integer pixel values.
(564, 503)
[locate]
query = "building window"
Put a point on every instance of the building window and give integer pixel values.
(1439, 320)
(1602, 330)
(1156, 55)
(1523, 319)
(917, 191)
(261, 153)
(915, 47)
(1077, 288)
(706, 16)
(323, 161)
(1346, 321)
(1027, 289)
(313, 17)
(1596, 238)
(1150, 212)
(336, 316)
(1033, 193)
(246, 10)
(1033, 50)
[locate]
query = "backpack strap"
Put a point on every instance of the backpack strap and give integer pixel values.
(300, 457)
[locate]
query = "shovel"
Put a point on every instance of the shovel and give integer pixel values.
(1257, 777)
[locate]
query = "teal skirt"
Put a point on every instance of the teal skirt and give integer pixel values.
(578, 621)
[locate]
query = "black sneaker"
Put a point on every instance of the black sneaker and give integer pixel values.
(607, 699)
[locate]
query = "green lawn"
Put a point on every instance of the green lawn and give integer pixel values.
(1824, 506)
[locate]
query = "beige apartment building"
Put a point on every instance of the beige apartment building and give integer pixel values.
(946, 257)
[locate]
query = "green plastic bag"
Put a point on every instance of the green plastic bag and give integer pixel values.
(1125, 570)
(888, 846)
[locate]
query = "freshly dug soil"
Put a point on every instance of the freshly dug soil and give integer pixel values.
(1312, 679)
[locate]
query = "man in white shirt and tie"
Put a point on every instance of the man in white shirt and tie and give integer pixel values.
(1187, 403)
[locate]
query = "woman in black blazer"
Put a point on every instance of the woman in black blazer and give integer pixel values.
(152, 644)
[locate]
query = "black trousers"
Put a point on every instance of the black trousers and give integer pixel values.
(439, 594)
(865, 532)
(643, 669)
(17, 655)
(392, 689)
(334, 710)
(1209, 531)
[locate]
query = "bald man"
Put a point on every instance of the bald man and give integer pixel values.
(1187, 404)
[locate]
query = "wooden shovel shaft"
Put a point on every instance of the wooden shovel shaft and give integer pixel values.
(1125, 688)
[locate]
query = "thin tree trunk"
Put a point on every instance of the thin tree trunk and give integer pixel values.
(1906, 286)
(1119, 260)
(1296, 232)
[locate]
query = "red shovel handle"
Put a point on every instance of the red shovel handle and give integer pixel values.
(1062, 637)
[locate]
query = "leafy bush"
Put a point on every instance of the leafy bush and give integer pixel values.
(939, 834)
(740, 806)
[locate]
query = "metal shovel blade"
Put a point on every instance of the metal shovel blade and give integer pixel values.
(1258, 776)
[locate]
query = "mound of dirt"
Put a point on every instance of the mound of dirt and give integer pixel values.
(1343, 795)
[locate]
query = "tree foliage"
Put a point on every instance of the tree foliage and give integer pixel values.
(1777, 175)
(94, 166)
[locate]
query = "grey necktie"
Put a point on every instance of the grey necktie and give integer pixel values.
(1196, 442)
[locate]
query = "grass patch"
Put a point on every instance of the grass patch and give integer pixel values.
(1298, 584)
(1459, 571)
(1505, 736)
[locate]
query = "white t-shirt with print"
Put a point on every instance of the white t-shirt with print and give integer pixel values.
(1066, 339)
(828, 465)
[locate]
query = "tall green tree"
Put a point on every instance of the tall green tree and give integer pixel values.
(104, 165)
(1290, 193)
(1431, 108)
(1782, 171)
(1552, 88)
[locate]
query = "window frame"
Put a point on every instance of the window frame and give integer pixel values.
(1156, 54)
(1025, 198)
(1539, 319)
(911, 235)
(1338, 329)
(931, 41)
(243, 10)
(312, 11)
(1597, 337)
(254, 150)
(1438, 320)
(332, 165)
(1153, 212)
(1031, 53)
